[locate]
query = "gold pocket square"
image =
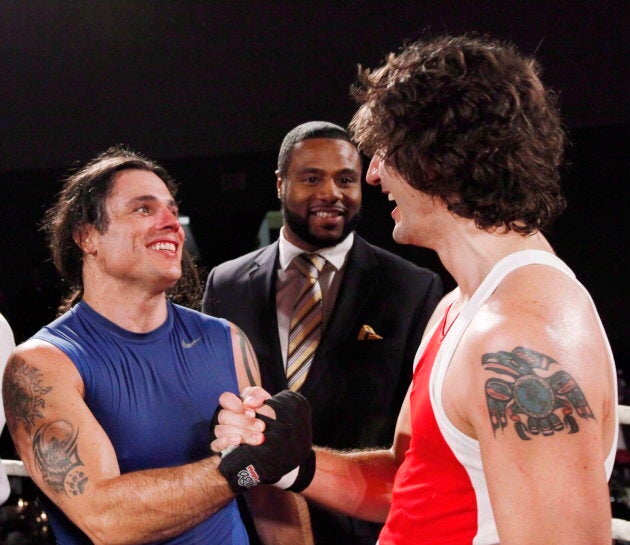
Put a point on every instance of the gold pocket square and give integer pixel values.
(366, 333)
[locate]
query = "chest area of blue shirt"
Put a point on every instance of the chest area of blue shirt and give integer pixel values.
(155, 400)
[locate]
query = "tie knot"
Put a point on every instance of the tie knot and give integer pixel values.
(310, 264)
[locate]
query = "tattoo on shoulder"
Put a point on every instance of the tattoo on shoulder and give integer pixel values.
(57, 457)
(23, 393)
(248, 356)
(536, 402)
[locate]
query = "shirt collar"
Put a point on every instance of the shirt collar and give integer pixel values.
(335, 255)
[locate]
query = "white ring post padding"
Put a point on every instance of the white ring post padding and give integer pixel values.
(624, 414)
(621, 529)
(15, 468)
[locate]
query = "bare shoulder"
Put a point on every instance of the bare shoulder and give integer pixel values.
(35, 358)
(33, 370)
(546, 309)
(42, 357)
(535, 359)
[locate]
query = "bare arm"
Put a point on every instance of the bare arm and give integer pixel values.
(71, 459)
(356, 483)
(245, 361)
(281, 518)
(541, 404)
(359, 484)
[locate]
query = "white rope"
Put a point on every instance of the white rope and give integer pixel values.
(621, 529)
(624, 414)
(14, 468)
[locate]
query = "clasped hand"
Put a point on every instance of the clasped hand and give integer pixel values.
(265, 439)
(238, 422)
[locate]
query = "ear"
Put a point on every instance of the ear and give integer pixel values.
(279, 184)
(84, 239)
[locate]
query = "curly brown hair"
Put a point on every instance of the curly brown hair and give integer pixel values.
(467, 119)
(82, 201)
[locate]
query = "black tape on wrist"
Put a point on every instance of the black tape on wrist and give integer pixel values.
(305, 474)
(287, 445)
(239, 469)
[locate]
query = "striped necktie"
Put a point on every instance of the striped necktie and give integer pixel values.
(305, 329)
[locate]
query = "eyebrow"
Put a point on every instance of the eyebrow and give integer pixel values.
(151, 198)
(315, 170)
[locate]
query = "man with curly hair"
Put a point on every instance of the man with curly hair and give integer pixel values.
(508, 431)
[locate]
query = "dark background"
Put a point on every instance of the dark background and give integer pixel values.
(210, 89)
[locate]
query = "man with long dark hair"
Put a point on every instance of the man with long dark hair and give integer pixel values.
(109, 405)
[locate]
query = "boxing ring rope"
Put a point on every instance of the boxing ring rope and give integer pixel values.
(620, 527)
(14, 468)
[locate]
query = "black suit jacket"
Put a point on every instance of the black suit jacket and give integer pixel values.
(355, 387)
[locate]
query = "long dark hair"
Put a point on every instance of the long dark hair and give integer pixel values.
(82, 201)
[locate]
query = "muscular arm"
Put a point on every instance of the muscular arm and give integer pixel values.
(70, 458)
(360, 483)
(541, 404)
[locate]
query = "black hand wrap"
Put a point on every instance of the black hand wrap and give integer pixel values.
(287, 445)
(298, 479)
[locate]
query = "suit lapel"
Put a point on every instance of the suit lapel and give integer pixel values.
(262, 281)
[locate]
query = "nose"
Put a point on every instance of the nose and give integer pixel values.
(372, 177)
(168, 219)
(329, 190)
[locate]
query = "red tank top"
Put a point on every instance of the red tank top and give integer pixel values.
(433, 501)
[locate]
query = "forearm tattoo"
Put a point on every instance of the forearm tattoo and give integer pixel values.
(536, 405)
(54, 443)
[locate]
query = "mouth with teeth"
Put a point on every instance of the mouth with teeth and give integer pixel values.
(390, 198)
(164, 246)
(329, 219)
(328, 214)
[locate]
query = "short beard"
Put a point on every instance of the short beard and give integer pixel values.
(300, 227)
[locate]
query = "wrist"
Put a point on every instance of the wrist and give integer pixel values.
(300, 477)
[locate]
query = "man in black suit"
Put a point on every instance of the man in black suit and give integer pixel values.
(374, 307)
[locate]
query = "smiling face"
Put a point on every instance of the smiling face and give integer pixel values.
(321, 192)
(143, 241)
(418, 217)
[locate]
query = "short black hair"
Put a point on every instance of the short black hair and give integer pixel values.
(307, 131)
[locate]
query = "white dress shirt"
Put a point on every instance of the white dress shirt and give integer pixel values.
(289, 281)
(7, 344)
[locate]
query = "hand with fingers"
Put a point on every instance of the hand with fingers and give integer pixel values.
(235, 421)
(264, 439)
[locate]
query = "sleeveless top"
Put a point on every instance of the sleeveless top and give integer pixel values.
(154, 394)
(440, 495)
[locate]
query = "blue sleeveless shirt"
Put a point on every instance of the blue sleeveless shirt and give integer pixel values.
(154, 395)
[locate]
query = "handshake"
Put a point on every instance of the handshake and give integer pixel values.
(285, 458)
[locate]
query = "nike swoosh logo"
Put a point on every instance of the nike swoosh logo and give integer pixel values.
(191, 343)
